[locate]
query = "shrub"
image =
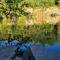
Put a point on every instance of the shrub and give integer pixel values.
(38, 33)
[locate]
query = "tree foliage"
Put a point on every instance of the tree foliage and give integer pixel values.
(13, 9)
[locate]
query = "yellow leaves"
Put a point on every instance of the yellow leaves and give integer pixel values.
(52, 15)
(24, 21)
(49, 15)
(29, 22)
(5, 22)
(21, 21)
(38, 16)
(29, 10)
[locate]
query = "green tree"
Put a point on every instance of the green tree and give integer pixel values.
(12, 9)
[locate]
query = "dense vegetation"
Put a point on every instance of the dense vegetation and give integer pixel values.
(13, 14)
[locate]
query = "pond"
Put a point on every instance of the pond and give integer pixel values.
(47, 52)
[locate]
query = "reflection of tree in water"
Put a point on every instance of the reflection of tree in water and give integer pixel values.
(23, 51)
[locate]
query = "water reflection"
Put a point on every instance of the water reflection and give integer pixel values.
(47, 52)
(41, 52)
(54, 47)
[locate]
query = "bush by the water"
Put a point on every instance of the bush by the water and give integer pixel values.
(35, 33)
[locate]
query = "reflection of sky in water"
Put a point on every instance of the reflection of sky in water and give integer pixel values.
(52, 52)
(47, 52)
(55, 47)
